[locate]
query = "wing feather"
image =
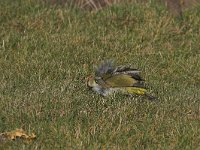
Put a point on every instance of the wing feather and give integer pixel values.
(121, 76)
(123, 80)
(105, 67)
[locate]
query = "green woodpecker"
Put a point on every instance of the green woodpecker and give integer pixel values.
(109, 79)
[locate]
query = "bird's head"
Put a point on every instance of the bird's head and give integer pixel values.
(90, 81)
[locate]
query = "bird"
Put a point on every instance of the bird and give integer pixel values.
(110, 79)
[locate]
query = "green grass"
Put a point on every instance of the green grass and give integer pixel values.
(46, 52)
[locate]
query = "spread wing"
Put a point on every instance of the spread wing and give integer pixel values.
(134, 73)
(123, 80)
(105, 69)
(120, 76)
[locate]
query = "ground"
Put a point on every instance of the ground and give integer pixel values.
(47, 51)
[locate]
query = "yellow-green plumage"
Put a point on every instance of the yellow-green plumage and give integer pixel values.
(109, 79)
(121, 80)
(136, 90)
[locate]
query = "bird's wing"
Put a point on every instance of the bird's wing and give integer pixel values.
(121, 76)
(105, 69)
(122, 80)
(134, 73)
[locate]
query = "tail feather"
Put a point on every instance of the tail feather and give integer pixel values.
(149, 96)
(136, 90)
(140, 91)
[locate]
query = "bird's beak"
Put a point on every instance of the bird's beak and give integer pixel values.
(87, 80)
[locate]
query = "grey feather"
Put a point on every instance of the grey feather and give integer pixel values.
(104, 67)
(129, 71)
(107, 67)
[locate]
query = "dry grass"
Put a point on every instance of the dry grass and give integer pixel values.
(47, 51)
(175, 6)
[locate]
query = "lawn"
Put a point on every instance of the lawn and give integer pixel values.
(47, 51)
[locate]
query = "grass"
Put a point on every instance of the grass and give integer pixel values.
(47, 51)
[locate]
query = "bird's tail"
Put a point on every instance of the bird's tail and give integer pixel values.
(140, 91)
(136, 90)
(149, 96)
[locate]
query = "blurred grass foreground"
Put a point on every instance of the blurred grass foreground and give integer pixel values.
(47, 51)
